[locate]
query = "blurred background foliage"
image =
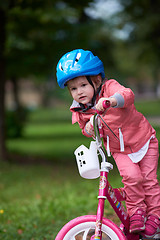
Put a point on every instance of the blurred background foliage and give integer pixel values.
(35, 34)
(35, 121)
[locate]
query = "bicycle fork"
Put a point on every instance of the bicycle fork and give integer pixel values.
(106, 191)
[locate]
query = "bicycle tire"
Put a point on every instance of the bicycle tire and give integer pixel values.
(82, 228)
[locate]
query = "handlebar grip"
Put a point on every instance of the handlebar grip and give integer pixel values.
(106, 104)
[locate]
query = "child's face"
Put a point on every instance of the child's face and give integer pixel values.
(81, 90)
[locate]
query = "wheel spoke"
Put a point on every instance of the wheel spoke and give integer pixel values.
(85, 234)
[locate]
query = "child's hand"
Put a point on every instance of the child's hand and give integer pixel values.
(89, 128)
(99, 105)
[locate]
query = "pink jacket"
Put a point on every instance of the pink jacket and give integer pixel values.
(130, 126)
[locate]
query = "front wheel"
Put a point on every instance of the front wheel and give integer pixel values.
(82, 228)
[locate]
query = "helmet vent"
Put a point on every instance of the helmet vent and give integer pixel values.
(60, 67)
(77, 58)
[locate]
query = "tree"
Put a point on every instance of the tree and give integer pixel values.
(2, 83)
(142, 20)
(34, 34)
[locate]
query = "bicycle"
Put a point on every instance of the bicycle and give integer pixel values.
(97, 227)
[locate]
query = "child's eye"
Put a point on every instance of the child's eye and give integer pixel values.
(73, 89)
(84, 84)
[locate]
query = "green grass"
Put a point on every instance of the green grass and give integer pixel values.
(38, 200)
(49, 134)
(148, 108)
(49, 141)
(52, 115)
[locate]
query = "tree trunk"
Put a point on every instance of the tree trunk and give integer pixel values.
(2, 85)
(15, 92)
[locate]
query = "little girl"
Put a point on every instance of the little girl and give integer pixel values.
(128, 136)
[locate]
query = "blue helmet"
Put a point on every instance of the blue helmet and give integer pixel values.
(78, 63)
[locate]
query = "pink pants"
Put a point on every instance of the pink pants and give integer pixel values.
(140, 180)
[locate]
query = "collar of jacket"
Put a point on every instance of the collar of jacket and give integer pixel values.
(76, 107)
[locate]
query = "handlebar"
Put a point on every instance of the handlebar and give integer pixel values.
(106, 104)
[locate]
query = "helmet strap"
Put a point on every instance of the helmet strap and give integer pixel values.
(84, 109)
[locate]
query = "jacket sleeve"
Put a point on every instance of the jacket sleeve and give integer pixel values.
(124, 95)
(77, 117)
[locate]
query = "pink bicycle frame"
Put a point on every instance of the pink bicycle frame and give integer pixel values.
(106, 191)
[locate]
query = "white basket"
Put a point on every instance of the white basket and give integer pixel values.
(87, 161)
